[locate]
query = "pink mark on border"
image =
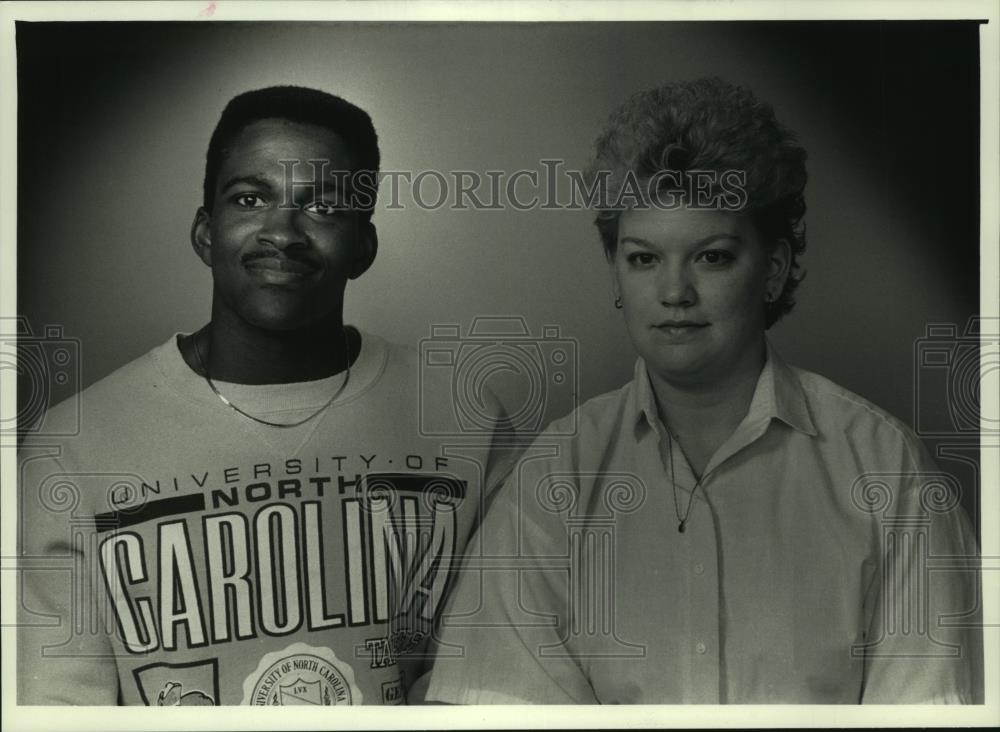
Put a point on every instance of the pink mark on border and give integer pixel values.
(208, 10)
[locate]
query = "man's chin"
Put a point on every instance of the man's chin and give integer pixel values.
(286, 322)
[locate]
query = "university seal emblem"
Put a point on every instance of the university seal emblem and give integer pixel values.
(301, 674)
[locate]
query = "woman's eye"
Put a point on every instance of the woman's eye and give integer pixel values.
(250, 200)
(641, 258)
(716, 256)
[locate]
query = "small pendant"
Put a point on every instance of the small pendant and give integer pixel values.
(680, 526)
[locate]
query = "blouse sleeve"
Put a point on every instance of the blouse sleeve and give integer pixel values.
(924, 638)
(501, 639)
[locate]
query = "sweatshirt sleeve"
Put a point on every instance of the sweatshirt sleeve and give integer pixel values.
(64, 650)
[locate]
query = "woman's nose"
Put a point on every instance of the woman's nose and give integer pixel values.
(676, 287)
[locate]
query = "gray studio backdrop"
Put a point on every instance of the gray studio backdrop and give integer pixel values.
(104, 250)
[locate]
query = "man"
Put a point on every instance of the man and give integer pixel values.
(250, 514)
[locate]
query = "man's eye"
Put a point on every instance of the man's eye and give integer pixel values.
(716, 256)
(250, 200)
(323, 208)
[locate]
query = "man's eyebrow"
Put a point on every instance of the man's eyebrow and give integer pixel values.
(329, 183)
(695, 244)
(257, 181)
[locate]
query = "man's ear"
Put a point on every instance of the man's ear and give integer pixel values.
(367, 249)
(201, 235)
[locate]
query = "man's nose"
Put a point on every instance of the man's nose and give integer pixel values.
(281, 228)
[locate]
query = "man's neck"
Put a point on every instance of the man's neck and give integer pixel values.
(246, 354)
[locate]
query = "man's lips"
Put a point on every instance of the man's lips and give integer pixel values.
(282, 266)
(680, 324)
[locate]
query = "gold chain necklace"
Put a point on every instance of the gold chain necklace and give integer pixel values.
(681, 520)
(211, 385)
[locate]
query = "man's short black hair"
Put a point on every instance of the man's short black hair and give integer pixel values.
(296, 104)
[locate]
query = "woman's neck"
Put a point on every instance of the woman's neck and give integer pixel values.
(701, 416)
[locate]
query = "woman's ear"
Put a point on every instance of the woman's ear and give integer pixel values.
(201, 235)
(616, 290)
(779, 264)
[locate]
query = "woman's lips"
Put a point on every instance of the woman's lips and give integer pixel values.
(680, 328)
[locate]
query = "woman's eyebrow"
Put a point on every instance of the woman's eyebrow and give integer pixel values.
(698, 243)
(634, 240)
(716, 237)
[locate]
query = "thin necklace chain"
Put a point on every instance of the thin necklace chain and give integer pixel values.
(215, 390)
(681, 520)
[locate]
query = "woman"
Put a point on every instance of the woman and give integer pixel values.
(725, 528)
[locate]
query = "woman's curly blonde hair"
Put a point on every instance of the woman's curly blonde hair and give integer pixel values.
(708, 125)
